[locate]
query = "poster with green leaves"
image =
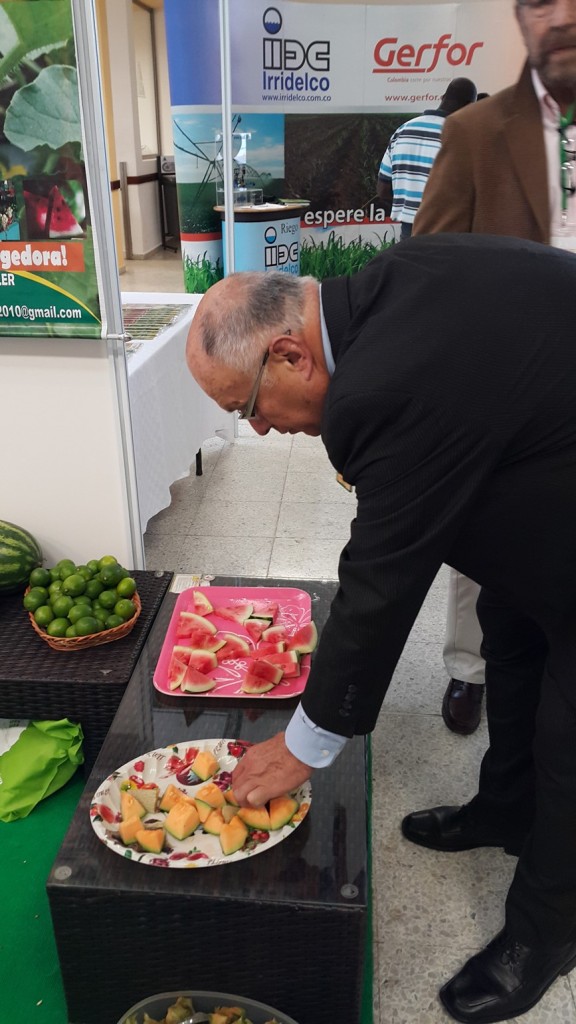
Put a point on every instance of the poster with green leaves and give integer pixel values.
(48, 283)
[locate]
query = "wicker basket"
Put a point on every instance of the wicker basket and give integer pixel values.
(78, 643)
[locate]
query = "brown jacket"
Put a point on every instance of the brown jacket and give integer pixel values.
(490, 176)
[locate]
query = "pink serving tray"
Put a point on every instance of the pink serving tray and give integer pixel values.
(294, 610)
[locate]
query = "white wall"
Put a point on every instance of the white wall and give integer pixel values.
(62, 471)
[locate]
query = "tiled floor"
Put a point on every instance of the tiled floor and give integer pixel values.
(271, 507)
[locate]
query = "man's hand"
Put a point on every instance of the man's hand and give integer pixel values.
(267, 770)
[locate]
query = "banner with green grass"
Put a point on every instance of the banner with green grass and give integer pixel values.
(48, 282)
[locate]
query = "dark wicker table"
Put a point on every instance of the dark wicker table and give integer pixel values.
(287, 927)
(85, 686)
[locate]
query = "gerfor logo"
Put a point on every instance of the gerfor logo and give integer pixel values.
(390, 58)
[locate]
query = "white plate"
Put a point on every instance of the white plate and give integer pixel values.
(172, 765)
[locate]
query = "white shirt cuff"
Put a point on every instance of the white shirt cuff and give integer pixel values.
(312, 745)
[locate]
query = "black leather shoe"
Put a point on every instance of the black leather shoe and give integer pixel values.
(451, 829)
(504, 980)
(462, 705)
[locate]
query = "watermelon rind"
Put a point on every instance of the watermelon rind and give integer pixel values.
(202, 661)
(264, 670)
(234, 647)
(202, 605)
(20, 553)
(274, 633)
(188, 621)
(240, 612)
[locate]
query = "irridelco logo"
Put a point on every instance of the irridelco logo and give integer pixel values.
(290, 66)
(281, 255)
(390, 58)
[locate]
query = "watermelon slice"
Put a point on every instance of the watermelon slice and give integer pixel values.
(202, 661)
(262, 670)
(36, 214)
(304, 640)
(265, 647)
(188, 621)
(289, 662)
(239, 612)
(255, 628)
(233, 647)
(202, 605)
(197, 682)
(202, 641)
(275, 633)
(60, 220)
(176, 671)
(266, 610)
(253, 684)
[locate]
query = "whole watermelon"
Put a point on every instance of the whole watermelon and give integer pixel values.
(19, 554)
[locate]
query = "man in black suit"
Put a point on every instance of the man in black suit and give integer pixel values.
(442, 380)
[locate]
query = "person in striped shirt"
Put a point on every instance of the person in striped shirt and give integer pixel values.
(411, 152)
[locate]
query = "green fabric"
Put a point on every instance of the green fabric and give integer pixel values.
(30, 983)
(42, 760)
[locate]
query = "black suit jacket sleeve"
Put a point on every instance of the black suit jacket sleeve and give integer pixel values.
(415, 470)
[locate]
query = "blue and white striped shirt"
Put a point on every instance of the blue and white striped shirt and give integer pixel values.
(408, 161)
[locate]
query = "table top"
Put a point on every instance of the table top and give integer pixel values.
(323, 862)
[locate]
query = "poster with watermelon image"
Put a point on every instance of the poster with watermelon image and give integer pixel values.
(48, 281)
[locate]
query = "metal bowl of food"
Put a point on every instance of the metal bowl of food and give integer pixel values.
(194, 1007)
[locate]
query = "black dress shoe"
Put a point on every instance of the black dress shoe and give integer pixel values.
(504, 980)
(462, 705)
(451, 829)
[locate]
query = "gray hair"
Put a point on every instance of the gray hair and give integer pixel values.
(257, 304)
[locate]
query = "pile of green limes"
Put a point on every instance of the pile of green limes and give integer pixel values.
(77, 600)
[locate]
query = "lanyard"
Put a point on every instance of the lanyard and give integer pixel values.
(566, 158)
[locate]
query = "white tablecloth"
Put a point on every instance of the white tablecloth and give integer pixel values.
(171, 416)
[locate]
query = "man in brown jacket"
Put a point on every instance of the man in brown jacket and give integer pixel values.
(506, 167)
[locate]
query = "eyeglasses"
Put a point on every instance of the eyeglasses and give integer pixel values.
(247, 413)
(541, 8)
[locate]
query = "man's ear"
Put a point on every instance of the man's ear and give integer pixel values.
(294, 351)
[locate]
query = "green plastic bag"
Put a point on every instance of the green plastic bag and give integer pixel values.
(36, 759)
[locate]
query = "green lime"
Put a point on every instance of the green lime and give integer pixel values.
(101, 614)
(126, 587)
(43, 615)
(125, 609)
(57, 627)
(93, 589)
(86, 625)
(108, 598)
(40, 577)
(61, 605)
(110, 575)
(55, 587)
(54, 573)
(113, 620)
(78, 611)
(35, 598)
(65, 568)
(107, 560)
(83, 599)
(75, 584)
(84, 571)
(93, 565)
(71, 631)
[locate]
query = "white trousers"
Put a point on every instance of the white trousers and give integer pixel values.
(463, 634)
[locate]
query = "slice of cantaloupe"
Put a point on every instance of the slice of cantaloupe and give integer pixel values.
(151, 839)
(282, 810)
(127, 830)
(210, 794)
(182, 819)
(255, 817)
(233, 835)
(172, 795)
(130, 807)
(214, 823)
(205, 765)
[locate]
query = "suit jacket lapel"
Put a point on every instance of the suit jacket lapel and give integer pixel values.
(524, 137)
